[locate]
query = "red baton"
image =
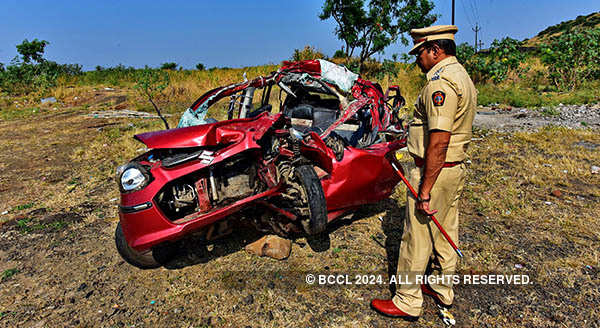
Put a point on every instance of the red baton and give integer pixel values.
(414, 193)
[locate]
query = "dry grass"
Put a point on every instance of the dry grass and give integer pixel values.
(63, 163)
(186, 86)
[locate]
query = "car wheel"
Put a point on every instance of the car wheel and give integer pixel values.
(314, 198)
(150, 259)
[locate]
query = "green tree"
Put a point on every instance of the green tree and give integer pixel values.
(369, 27)
(151, 84)
(572, 57)
(200, 67)
(32, 50)
(169, 66)
(31, 71)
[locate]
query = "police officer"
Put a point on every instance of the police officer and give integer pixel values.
(437, 140)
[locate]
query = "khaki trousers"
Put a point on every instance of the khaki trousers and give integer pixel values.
(424, 246)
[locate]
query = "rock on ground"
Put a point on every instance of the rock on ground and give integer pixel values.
(271, 246)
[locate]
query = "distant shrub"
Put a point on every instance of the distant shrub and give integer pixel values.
(169, 66)
(572, 58)
(339, 54)
(200, 67)
(307, 53)
(590, 20)
(502, 56)
(388, 67)
(464, 52)
(108, 75)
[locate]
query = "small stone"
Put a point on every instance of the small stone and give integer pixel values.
(548, 203)
(595, 169)
(271, 246)
(518, 266)
(556, 193)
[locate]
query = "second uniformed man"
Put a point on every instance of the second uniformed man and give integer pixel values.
(437, 140)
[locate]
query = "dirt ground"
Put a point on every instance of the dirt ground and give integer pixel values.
(60, 267)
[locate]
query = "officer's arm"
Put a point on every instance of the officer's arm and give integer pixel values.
(435, 156)
(440, 105)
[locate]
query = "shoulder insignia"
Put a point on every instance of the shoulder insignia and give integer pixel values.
(438, 98)
(436, 75)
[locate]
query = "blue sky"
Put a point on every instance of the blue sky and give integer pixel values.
(232, 33)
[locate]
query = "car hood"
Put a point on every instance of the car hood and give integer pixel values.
(225, 132)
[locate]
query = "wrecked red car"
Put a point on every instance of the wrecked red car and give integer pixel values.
(325, 151)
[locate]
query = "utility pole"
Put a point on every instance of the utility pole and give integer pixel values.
(453, 11)
(476, 29)
(480, 44)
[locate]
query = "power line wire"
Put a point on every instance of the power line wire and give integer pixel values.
(475, 10)
(466, 14)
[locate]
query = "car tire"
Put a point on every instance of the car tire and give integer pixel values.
(150, 259)
(317, 221)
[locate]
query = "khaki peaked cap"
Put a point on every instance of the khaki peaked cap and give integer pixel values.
(438, 32)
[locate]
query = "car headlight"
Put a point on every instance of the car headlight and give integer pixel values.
(132, 178)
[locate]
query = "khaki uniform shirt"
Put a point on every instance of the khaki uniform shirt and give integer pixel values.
(447, 103)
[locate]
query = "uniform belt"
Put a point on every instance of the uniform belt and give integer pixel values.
(419, 162)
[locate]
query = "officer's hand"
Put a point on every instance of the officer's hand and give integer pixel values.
(424, 208)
